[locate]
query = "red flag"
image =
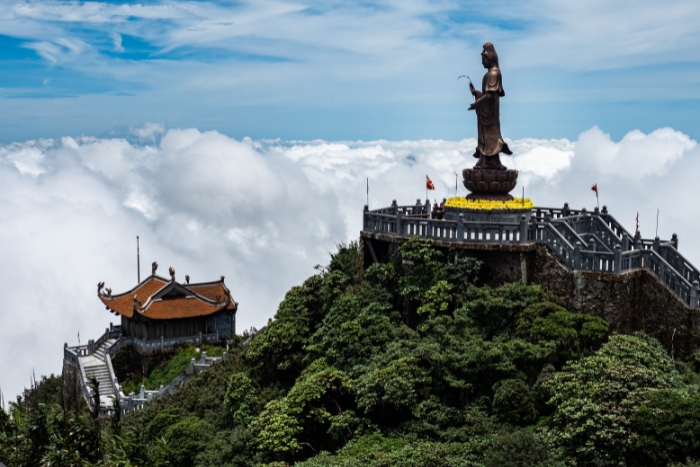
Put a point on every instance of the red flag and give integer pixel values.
(429, 184)
(595, 188)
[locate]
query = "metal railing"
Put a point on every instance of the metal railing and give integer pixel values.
(579, 239)
(132, 402)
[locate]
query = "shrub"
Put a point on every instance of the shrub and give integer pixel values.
(666, 429)
(513, 402)
(185, 439)
(597, 396)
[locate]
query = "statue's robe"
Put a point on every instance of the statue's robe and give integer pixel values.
(489, 122)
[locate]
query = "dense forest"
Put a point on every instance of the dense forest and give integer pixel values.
(408, 363)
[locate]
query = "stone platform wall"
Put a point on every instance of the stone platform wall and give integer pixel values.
(630, 301)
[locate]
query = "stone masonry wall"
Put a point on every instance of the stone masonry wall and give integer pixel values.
(629, 302)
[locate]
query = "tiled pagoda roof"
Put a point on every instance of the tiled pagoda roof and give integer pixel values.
(159, 298)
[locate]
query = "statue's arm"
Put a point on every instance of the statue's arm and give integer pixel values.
(483, 96)
(475, 92)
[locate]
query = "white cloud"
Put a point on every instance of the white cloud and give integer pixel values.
(636, 156)
(262, 213)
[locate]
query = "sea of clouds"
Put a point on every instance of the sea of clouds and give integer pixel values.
(263, 213)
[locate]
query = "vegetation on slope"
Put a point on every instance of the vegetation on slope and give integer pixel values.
(170, 368)
(409, 363)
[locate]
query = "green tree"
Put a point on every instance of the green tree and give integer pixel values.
(597, 396)
(665, 429)
(513, 402)
(310, 416)
(186, 439)
(240, 403)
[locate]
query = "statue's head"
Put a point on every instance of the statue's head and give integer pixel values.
(489, 57)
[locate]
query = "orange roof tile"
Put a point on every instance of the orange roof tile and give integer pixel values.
(159, 298)
(210, 290)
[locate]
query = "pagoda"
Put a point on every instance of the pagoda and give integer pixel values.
(164, 308)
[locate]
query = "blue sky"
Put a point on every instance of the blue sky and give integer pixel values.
(345, 70)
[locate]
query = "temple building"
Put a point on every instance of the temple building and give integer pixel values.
(164, 308)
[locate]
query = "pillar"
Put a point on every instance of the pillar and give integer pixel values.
(694, 294)
(566, 212)
(577, 256)
(523, 229)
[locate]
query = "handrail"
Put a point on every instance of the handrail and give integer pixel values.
(112, 376)
(132, 402)
(686, 269)
(568, 233)
(87, 393)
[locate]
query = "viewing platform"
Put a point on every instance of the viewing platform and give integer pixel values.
(581, 240)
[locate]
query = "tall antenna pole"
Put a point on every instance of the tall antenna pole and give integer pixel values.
(138, 261)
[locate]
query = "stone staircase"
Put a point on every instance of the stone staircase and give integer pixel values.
(95, 365)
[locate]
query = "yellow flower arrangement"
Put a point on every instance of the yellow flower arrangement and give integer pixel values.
(489, 205)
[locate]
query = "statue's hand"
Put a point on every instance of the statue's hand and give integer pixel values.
(472, 106)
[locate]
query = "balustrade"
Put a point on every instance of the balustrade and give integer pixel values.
(580, 239)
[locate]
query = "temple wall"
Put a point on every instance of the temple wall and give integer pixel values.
(223, 322)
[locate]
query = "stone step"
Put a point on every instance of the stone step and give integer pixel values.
(101, 373)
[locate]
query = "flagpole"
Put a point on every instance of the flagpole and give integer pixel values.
(657, 222)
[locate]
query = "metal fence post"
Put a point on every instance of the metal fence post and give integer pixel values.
(523, 229)
(460, 228)
(625, 243)
(694, 294)
(617, 266)
(565, 212)
(657, 241)
(674, 240)
(577, 255)
(399, 214)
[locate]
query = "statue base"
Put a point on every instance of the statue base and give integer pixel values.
(491, 184)
(490, 196)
